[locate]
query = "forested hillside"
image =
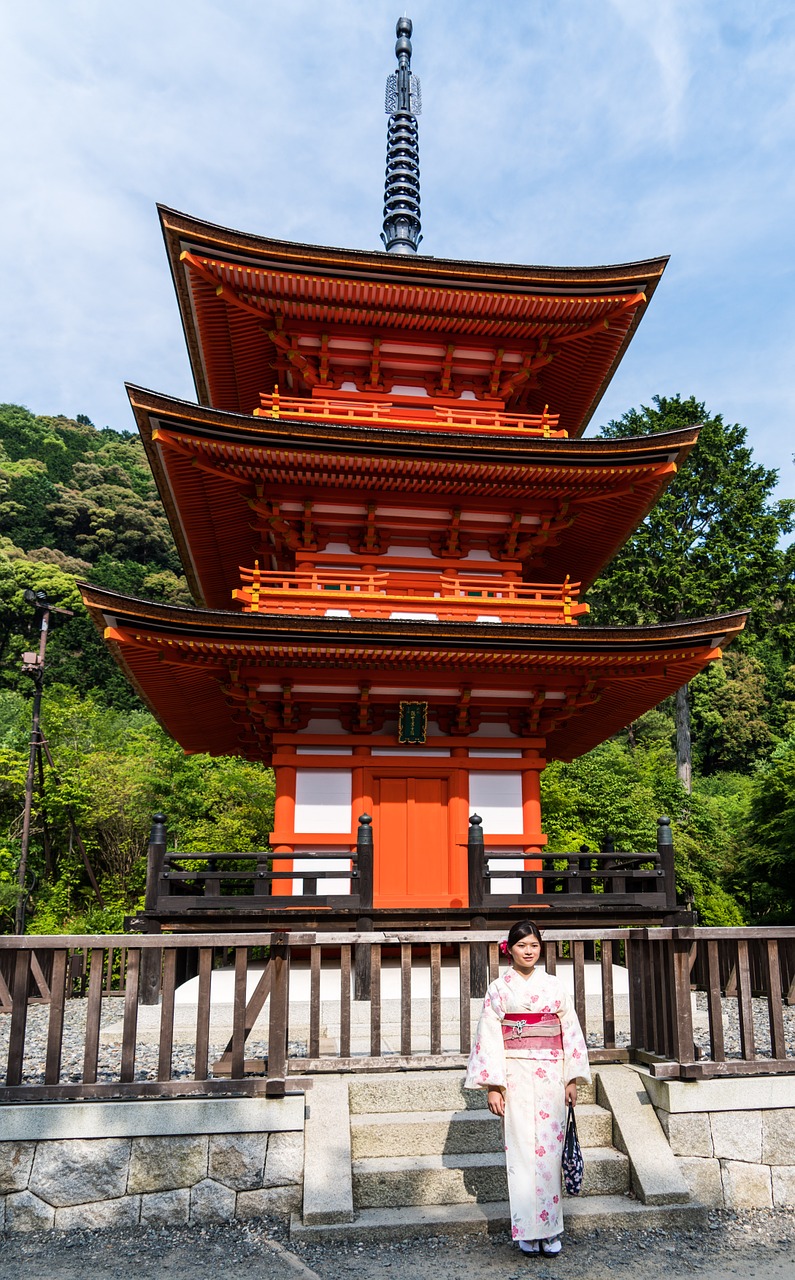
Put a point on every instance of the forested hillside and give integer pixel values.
(79, 503)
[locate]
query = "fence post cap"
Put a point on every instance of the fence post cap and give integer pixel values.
(364, 819)
(475, 820)
(157, 834)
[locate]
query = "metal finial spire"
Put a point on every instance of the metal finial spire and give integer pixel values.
(403, 103)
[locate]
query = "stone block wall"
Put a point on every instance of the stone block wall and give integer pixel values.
(166, 1179)
(735, 1159)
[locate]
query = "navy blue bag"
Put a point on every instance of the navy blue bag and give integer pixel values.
(573, 1166)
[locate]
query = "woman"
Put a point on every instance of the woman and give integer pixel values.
(529, 1053)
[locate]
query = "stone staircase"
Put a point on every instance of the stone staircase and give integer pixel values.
(407, 1153)
(443, 1147)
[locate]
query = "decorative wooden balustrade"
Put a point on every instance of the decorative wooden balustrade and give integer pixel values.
(291, 1001)
(182, 882)
(463, 597)
(179, 883)
(454, 416)
(586, 881)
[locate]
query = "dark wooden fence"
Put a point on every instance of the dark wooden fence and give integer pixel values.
(392, 1026)
(586, 881)
(662, 963)
(757, 966)
(183, 882)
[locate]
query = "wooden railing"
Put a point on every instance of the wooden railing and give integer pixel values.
(40, 975)
(293, 1005)
(227, 879)
(378, 1018)
(586, 880)
(662, 964)
(376, 594)
(234, 880)
(383, 412)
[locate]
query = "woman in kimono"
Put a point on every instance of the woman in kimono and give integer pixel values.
(529, 1053)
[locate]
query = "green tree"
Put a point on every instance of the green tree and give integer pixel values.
(114, 770)
(77, 503)
(768, 865)
(710, 544)
(617, 792)
(729, 702)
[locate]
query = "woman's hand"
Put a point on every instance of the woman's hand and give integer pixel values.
(571, 1093)
(496, 1099)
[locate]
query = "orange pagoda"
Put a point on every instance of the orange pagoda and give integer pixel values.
(388, 520)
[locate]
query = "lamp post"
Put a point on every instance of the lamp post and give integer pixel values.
(33, 665)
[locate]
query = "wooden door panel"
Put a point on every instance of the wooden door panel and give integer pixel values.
(390, 822)
(428, 854)
(412, 832)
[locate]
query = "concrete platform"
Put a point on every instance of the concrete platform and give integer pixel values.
(382, 1092)
(401, 1180)
(580, 1217)
(422, 1133)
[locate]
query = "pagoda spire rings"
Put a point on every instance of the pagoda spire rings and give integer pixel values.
(403, 103)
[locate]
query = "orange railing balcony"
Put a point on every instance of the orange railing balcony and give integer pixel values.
(456, 416)
(384, 594)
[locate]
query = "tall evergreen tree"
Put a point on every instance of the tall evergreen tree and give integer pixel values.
(712, 542)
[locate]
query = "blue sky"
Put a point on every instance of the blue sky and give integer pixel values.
(563, 132)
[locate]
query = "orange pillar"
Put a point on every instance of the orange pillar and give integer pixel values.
(531, 812)
(284, 822)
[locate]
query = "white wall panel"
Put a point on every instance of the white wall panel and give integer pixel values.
(510, 884)
(331, 864)
(497, 797)
(323, 800)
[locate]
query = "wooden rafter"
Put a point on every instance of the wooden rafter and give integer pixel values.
(375, 382)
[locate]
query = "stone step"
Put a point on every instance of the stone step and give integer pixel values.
(398, 1181)
(454, 1132)
(581, 1215)
(421, 1091)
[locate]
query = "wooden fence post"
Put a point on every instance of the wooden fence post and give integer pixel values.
(278, 1016)
(665, 849)
(151, 959)
(364, 866)
(476, 864)
(682, 1009)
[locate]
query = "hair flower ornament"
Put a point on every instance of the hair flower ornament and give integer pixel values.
(503, 946)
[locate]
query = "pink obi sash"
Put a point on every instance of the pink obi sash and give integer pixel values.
(532, 1031)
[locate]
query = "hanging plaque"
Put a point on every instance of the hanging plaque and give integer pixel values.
(413, 722)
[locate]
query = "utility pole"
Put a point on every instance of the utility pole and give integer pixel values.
(33, 665)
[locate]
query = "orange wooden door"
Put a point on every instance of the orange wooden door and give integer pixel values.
(415, 854)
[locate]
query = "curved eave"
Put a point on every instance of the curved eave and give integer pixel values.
(237, 384)
(179, 658)
(212, 522)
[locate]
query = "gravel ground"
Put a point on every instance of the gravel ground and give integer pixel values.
(759, 1245)
(146, 1058)
(109, 1059)
(731, 1019)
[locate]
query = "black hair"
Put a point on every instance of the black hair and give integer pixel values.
(522, 929)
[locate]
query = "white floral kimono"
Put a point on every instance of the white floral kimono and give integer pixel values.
(533, 1081)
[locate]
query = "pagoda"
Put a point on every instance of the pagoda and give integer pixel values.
(388, 519)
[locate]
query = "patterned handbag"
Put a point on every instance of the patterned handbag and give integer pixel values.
(573, 1166)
